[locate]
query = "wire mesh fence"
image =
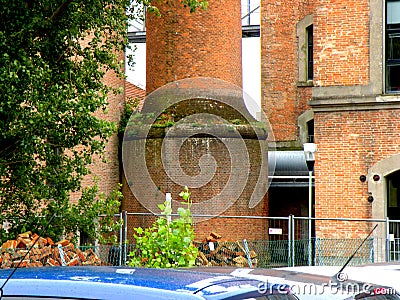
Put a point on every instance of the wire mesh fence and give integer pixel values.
(288, 241)
(243, 241)
(266, 254)
(337, 251)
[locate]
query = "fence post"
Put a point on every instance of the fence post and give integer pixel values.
(125, 224)
(387, 239)
(246, 248)
(120, 240)
(291, 241)
(289, 245)
(310, 260)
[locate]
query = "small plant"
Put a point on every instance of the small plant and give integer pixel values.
(237, 122)
(166, 244)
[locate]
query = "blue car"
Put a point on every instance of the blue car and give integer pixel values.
(108, 282)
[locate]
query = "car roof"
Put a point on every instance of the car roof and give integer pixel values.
(321, 282)
(106, 282)
(385, 274)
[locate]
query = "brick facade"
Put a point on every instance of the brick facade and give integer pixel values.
(206, 198)
(282, 101)
(341, 31)
(356, 124)
(349, 144)
(107, 168)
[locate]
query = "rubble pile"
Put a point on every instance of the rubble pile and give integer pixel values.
(18, 253)
(213, 251)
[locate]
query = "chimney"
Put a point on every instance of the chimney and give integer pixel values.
(196, 130)
(206, 43)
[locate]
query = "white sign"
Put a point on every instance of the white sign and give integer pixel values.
(211, 245)
(275, 230)
(391, 237)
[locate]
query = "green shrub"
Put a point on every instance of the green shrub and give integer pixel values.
(166, 244)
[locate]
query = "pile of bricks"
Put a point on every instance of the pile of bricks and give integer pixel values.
(20, 253)
(213, 251)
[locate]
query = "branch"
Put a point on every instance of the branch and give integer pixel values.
(59, 10)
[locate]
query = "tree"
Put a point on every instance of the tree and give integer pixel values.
(53, 57)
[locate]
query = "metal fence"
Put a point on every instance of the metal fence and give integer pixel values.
(283, 241)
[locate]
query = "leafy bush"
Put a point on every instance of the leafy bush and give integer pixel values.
(166, 244)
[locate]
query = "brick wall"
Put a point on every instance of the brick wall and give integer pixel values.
(282, 101)
(107, 168)
(352, 141)
(205, 43)
(341, 30)
(189, 155)
(349, 143)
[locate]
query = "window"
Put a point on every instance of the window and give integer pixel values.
(310, 131)
(304, 33)
(310, 60)
(392, 56)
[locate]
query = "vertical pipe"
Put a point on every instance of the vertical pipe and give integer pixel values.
(248, 11)
(293, 241)
(125, 233)
(168, 199)
(120, 240)
(309, 218)
(289, 241)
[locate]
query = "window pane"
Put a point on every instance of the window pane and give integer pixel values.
(392, 53)
(393, 12)
(393, 45)
(310, 59)
(393, 78)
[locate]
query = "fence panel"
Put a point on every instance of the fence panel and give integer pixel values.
(284, 241)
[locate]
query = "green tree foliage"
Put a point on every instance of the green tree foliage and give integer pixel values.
(167, 244)
(53, 57)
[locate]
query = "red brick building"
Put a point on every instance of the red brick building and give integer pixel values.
(330, 71)
(330, 74)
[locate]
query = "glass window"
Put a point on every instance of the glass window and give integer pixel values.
(392, 54)
(310, 59)
(310, 130)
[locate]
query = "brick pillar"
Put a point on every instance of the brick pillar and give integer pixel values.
(206, 43)
(213, 146)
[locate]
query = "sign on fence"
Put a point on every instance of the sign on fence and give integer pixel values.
(275, 230)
